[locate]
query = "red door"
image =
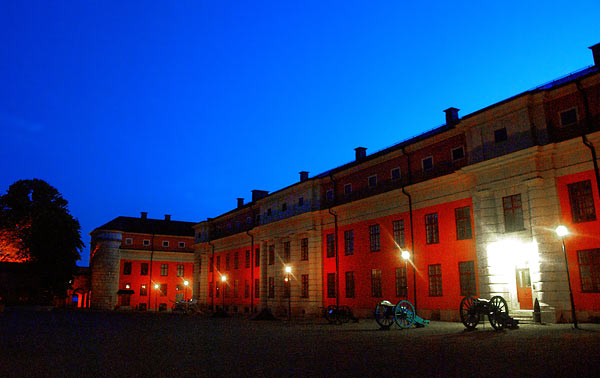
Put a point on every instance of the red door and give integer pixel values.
(524, 289)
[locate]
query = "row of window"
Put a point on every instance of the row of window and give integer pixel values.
(466, 272)
(164, 269)
(162, 289)
(270, 288)
(146, 243)
(284, 206)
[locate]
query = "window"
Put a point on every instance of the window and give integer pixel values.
(164, 269)
(589, 270)
(143, 290)
(165, 243)
(271, 254)
(427, 163)
(287, 248)
(431, 229)
(284, 207)
(395, 174)
(350, 285)
(181, 244)
(466, 271)
(300, 201)
(269, 212)
(374, 237)
(582, 201)
(500, 135)
(210, 289)
(236, 285)
(210, 264)
(218, 262)
(271, 287)
(568, 117)
(225, 290)
(349, 242)
(128, 241)
(217, 289)
(401, 282)
(372, 181)
(376, 283)
(330, 245)
(247, 259)
(146, 242)
(227, 262)
(236, 260)
(257, 257)
(329, 195)
(180, 270)
(435, 280)
(304, 292)
(163, 290)
(347, 189)
(144, 269)
(304, 249)
(246, 289)
(462, 215)
(286, 288)
(249, 220)
(127, 268)
(256, 288)
(257, 218)
(513, 213)
(330, 285)
(458, 153)
(398, 229)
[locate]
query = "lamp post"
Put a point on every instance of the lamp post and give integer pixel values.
(406, 256)
(562, 231)
(288, 271)
(185, 283)
(223, 283)
(156, 287)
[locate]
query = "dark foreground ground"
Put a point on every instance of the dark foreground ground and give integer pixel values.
(95, 344)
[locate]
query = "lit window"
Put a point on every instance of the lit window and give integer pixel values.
(427, 163)
(143, 290)
(164, 269)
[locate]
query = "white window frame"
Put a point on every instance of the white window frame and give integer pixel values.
(165, 243)
(128, 241)
(369, 181)
(181, 244)
(457, 148)
(146, 242)
(568, 110)
(423, 163)
(345, 186)
(392, 173)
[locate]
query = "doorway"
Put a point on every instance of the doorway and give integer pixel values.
(524, 289)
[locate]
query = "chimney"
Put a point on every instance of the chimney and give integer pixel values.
(167, 217)
(258, 194)
(303, 176)
(361, 153)
(596, 53)
(144, 215)
(452, 116)
(240, 202)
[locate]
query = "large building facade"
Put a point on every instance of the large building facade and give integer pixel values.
(475, 202)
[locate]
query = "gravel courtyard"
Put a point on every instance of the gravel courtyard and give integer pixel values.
(103, 344)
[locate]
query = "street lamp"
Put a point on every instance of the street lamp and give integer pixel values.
(185, 283)
(562, 231)
(156, 287)
(406, 256)
(288, 271)
(223, 280)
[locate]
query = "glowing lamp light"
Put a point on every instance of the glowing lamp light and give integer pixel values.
(405, 255)
(562, 231)
(127, 286)
(288, 269)
(223, 278)
(186, 282)
(156, 286)
(285, 279)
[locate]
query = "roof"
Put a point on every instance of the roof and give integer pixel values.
(149, 226)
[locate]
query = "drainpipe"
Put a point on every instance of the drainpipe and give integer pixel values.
(251, 271)
(412, 234)
(335, 246)
(213, 288)
(584, 139)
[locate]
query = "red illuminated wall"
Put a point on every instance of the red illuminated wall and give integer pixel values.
(584, 235)
(448, 252)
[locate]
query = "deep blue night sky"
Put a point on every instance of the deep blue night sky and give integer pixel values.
(179, 109)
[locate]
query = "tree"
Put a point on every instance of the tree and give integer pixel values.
(36, 227)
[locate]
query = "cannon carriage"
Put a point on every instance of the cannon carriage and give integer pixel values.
(403, 314)
(473, 309)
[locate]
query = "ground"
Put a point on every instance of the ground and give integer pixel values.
(104, 344)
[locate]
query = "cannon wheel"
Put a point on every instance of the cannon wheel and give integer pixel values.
(404, 314)
(498, 312)
(384, 315)
(343, 315)
(331, 313)
(468, 312)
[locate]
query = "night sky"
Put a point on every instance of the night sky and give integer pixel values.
(179, 109)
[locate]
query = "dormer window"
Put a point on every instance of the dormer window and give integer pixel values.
(165, 243)
(568, 117)
(128, 241)
(301, 201)
(458, 153)
(181, 244)
(427, 163)
(395, 174)
(500, 135)
(347, 189)
(284, 207)
(146, 242)
(329, 195)
(372, 181)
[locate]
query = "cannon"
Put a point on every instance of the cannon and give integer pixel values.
(473, 309)
(403, 314)
(339, 315)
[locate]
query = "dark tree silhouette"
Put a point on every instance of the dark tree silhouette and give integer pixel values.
(38, 229)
